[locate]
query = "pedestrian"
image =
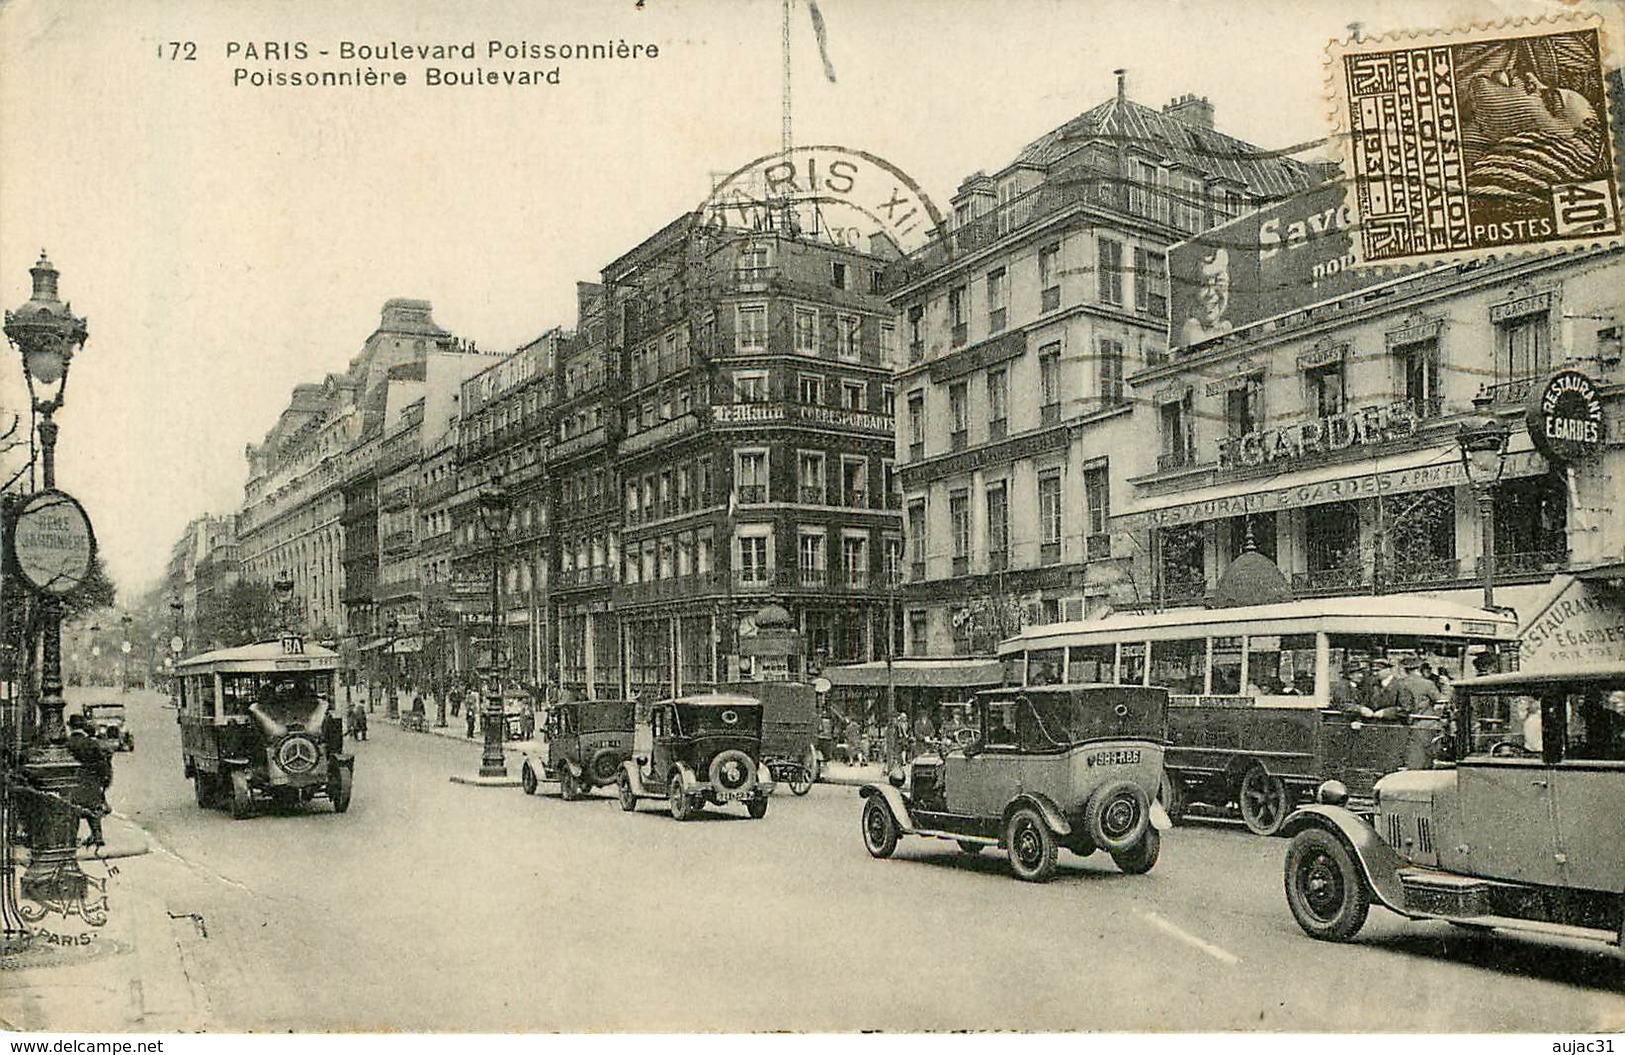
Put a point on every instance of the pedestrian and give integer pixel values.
(854, 744)
(924, 733)
(469, 714)
(897, 744)
(455, 696)
(1421, 694)
(95, 777)
(360, 723)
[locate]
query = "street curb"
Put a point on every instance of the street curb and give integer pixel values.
(123, 838)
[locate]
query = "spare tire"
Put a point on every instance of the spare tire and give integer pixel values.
(602, 767)
(732, 771)
(1117, 815)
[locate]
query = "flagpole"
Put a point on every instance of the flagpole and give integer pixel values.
(784, 39)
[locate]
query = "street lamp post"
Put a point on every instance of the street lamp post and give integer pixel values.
(47, 334)
(1483, 440)
(494, 505)
(124, 653)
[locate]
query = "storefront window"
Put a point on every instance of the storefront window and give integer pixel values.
(1531, 522)
(1263, 526)
(1332, 545)
(1420, 535)
(1183, 575)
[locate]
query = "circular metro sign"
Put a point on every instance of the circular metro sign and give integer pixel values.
(52, 543)
(1564, 417)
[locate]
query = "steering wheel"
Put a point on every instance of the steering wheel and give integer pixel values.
(1509, 749)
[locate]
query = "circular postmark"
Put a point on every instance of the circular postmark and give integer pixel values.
(849, 198)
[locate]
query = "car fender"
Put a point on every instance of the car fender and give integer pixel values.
(688, 774)
(894, 799)
(633, 777)
(1159, 817)
(1046, 809)
(1376, 858)
(574, 767)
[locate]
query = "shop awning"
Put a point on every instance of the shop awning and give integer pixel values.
(375, 644)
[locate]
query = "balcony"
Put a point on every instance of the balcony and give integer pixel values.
(1049, 553)
(1512, 393)
(855, 499)
(815, 577)
(399, 498)
(397, 542)
(752, 494)
(856, 578)
(916, 571)
(659, 435)
(811, 495)
(1329, 579)
(1182, 591)
(1177, 459)
(916, 451)
(1419, 571)
(1097, 547)
(1538, 562)
(916, 351)
(1049, 414)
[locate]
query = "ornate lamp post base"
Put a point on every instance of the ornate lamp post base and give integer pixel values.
(53, 877)
(493, 766)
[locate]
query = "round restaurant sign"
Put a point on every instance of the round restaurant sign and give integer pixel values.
(1564, 417)
(52, 543)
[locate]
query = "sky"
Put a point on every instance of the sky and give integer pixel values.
(227, 242)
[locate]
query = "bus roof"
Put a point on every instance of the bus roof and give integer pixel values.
(263, 656)
(1388, 613)
(714, 699)
(1514, 678)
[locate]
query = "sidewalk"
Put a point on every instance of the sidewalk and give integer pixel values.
(855, 776)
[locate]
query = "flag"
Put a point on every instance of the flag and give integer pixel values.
(823, 38)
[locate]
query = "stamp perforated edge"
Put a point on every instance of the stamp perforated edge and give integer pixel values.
(1335, 91)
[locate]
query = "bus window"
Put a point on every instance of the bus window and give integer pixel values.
(1227, 666)
(1132, 671)
(1015, 670)
(1595, 727)
(1091, 664)
(1180, 666)
(1281, 664)
(1044, 666)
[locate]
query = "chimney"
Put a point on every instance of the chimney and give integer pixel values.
(1122, 84)
(1194, 110)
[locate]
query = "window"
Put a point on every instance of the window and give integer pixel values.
(916, 426)
(1109, 270)
(1421, 537)
(852, 395)
(810, 477)
(632, 501)
(890, 481)
(1278, 661)
(916, 540)
(998, 296)
(1332, 535)
(668, 500)
(851, 336)
(1111, 370)
(704, 553)
(1178, 444)
(1150, 282)
(1097, 512)
(1049, 277)
(837, 274)
(855, 559)
(750, 386)
(959, 415)
(888, 401)
(752, 261)
(1531, 522)
(855, 482)
(810, 389)
(1049, 516)
(810, 560)
(750, 474)
(1263, 529)
(1523, 347)
(916, 333)
(1180, 666)
(894, 560)
(668, 557)
(1147, 193)
(685, 554)
(753, 552)
(752, 327)
(702, 482)
(1183, 566)
(956, 316)
(1049, 383)
(998, 399)
(1189, 199)
(1419, 364)
(1325, 385)
(1244, 407)
(806, 331)
(998, 527)
(888, 344)
(959, 529)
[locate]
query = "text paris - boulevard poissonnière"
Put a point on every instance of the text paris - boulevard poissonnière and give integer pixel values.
(281, 55)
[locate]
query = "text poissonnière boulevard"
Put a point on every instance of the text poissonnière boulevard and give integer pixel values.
(369, 76)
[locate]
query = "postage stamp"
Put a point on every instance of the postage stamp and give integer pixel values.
(1465, 144)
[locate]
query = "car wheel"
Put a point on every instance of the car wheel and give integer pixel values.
(968, 847)
(604, 765)
(814, 765)
(1116, 815)
(339, 784)
(677, 797)
(757, 808)
(1172, 796)
(1324, 887)
(527, 779)
(1263, 801)
(1031, 846)
(801, 780)
(732, 770)
(568, 790)
(879, 828)
(1142, 856)
(242, 796)
(623, 791)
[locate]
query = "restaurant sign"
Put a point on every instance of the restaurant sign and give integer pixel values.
(1577, 624)
(1564, 417)
(1335, 432)
(52, 543)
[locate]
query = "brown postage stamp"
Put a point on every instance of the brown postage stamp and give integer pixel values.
(1484, 141)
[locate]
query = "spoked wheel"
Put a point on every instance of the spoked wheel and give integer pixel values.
(242, 796)
(1031, 846)
(677, 797)
(1324, 888)
(799, 779)
(527, 779)
(757, 808)
(1142, 857)
(1264, 802)
(879, 828)
(623, 791)
(338, 788)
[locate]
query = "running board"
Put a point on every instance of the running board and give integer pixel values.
(1559, 930)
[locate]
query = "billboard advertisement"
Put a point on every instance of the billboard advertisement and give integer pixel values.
(1280, 259)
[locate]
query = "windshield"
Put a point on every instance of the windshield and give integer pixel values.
(1557, 720)
(289, 694)
(742, 720)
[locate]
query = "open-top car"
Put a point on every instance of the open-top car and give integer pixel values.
(584, 744)
(1066, 765)
(1523, 831)
(695, 750)
(106, 722)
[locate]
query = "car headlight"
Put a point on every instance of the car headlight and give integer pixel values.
(1332, 793)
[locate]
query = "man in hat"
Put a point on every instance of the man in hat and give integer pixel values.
(1383, 699)
(1345, 688)
(1418, 692)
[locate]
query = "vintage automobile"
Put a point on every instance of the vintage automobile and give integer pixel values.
(1524, 831)
(106, 722)
(1064, 765)
(789, 730)
(259, 722)
(583, 746)
(699, 749)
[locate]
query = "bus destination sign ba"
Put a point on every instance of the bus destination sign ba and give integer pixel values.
(1564, 417)
(52, 543)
